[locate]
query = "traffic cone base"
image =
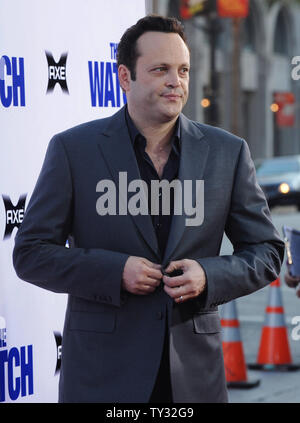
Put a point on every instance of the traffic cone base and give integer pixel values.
(244, 385)
(274, 367)
(274, 351)
(235, 368)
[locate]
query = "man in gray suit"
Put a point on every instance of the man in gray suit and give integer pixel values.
(142, 321)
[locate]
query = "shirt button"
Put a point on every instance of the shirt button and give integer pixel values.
(158, 225)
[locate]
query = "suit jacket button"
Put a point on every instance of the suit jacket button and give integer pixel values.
(159, 315)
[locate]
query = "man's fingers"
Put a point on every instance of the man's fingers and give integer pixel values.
(154, 273)
(141, 276)
(153, 270)
(179, 295)
(156, 266)
(175, 265)
(182, 298)
(175, 280)
(178, 292)
(152, 282)
(174, 291)
(151, 264)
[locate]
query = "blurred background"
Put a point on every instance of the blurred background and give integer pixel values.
(242, 68)
(245, 73)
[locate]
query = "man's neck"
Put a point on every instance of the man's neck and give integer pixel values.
(158, 135)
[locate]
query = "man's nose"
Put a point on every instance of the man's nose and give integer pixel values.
(173, 79)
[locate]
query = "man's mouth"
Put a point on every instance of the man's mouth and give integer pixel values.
(172, 96)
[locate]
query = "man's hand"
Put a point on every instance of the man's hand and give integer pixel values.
(188, 285)
(141, 276)
(290, 280)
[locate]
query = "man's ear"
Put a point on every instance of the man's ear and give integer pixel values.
(124, 77)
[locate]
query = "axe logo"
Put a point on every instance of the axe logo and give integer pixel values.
(14, 214)
(57, 72)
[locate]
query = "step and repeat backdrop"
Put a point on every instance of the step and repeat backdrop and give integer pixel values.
(57, 69)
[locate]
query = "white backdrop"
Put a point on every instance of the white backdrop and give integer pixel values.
(86, 31)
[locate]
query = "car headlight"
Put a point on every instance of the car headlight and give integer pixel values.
(284, 188)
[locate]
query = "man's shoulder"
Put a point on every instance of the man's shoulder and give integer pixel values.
(213, 134)
(91, 130)
(86, 129)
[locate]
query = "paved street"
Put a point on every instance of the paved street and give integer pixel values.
(279, 387)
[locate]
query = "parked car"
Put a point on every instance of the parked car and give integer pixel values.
(279, 178)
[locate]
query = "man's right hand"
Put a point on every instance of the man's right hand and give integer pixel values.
(141, 276)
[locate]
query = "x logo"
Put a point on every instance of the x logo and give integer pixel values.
(14, 214)
(57, 72)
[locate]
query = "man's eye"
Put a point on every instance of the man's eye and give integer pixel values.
(185, 70)
(160, 69)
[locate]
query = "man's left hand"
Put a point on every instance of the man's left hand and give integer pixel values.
(188, 285)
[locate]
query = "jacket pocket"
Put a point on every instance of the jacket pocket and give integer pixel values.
(92, 321)
(207, 322)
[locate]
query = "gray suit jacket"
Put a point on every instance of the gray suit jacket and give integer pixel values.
(113, 340)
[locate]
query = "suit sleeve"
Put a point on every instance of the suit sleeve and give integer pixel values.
(40, 254)
(258, 250)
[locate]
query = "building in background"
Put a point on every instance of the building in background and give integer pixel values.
(267, 114)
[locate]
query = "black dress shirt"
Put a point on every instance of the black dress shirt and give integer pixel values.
(161, 222)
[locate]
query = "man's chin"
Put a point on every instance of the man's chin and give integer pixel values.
(170, 113)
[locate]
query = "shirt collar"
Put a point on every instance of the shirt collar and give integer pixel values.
(135, 135)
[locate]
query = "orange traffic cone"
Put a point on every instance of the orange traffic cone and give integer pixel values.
(234, 360)
(274, 351)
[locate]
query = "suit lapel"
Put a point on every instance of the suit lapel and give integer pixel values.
(193, 156)
(119, 156)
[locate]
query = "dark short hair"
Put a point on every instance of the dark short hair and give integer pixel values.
(127, 52)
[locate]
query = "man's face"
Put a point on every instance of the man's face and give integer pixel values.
(162, 76)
